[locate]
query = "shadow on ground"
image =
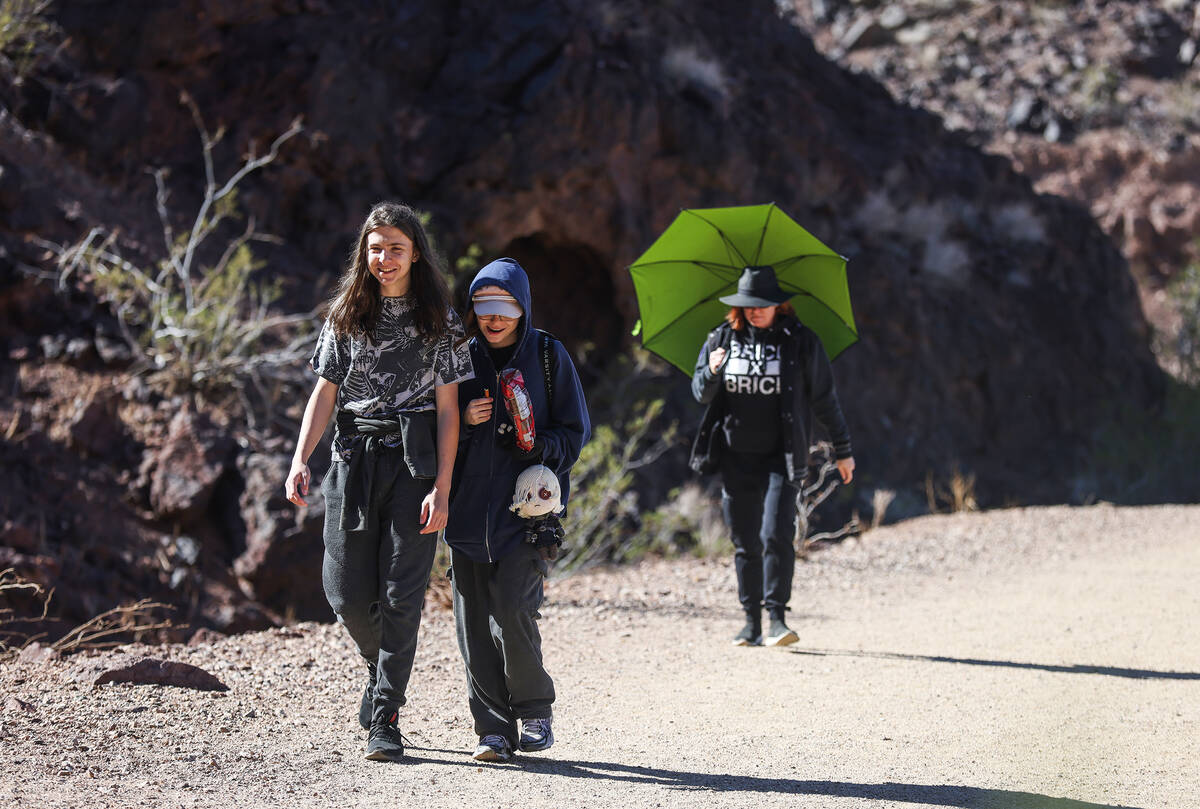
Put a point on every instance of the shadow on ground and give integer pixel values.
(963, 797)
(1109, 671)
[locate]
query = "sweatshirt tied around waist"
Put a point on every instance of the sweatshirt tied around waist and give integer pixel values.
(418, 433)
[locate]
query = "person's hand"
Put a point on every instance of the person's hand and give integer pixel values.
(478, 411)
(716, 358)
(296, 485)
(435, 510)
(548, 552)
(506, 439)
(845, 467)
(535, 453)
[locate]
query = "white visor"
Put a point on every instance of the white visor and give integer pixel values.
(504, 305)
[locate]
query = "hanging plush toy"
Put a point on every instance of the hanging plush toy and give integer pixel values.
(538, 499)
(520, 409)
(537, 493)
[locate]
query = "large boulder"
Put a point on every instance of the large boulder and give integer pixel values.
(281, 565)
(185, 470)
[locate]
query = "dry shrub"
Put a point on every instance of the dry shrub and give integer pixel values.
(957, 495)
(198, 321)
(23, 624)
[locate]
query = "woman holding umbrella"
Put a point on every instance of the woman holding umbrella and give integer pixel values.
(764, 378)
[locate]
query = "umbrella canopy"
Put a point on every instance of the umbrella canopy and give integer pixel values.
(699, 258)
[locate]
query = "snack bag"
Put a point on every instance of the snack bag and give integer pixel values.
(520, 409)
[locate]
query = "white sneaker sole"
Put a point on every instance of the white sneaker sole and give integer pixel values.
(786, 639)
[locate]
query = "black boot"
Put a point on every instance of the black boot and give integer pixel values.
(751, 634)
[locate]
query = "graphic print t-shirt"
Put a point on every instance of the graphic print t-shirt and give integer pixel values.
(395, 371)
(752, 385)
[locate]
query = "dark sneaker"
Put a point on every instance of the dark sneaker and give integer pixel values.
(493, 748)
(384, 742)
(535, 735)
(368, 697)
(751, 634)
(778, 633)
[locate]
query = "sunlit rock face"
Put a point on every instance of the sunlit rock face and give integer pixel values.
(998, 327)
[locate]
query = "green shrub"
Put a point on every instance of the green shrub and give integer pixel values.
(605, 514)
(197, 320)
(24, 31)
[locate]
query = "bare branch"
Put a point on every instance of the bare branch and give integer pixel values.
(118, 620)
(161, 196)
(212, 194)
(9, 580)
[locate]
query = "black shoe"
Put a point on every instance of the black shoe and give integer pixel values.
(385, 742)
(751, 634)
(778, 633)
(493, 748)
(368, 697)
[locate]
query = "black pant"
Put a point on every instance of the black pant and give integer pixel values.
(495, 616)
(375, 579)
(759, 505)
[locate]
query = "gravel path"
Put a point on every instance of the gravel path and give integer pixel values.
(1026, 659)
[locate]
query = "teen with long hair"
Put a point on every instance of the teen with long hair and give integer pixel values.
(389, 360)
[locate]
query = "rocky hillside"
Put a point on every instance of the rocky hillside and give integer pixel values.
(1097, 101)
(1000, 328)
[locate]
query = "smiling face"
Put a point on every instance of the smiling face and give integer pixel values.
(761, 317)
(390, 255)
(498, 330)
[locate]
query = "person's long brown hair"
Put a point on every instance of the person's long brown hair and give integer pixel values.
(356, 305)
(737, 315)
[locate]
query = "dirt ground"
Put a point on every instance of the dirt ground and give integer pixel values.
(1026, 659)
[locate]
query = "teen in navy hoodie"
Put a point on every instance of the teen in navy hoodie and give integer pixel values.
(497, 574)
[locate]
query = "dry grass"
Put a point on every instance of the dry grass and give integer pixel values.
(957, 495)
(880, 500)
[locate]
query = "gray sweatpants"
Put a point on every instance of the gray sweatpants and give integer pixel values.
(375, 579)
(495, 616)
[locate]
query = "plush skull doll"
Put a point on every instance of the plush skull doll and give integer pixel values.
(537, 493)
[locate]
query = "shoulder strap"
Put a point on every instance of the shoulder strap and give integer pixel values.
(546, 343)
(722, 333)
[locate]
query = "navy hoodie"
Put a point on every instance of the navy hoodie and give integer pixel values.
(485, 473)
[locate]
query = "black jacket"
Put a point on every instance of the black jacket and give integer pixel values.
(807, 391)
(480, 523)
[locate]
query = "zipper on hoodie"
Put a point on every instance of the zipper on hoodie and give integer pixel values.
(487, 517)
(487, 511)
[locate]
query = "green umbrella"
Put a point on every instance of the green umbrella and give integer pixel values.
(699, 258)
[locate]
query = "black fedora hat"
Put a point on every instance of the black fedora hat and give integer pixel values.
(757, 287)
